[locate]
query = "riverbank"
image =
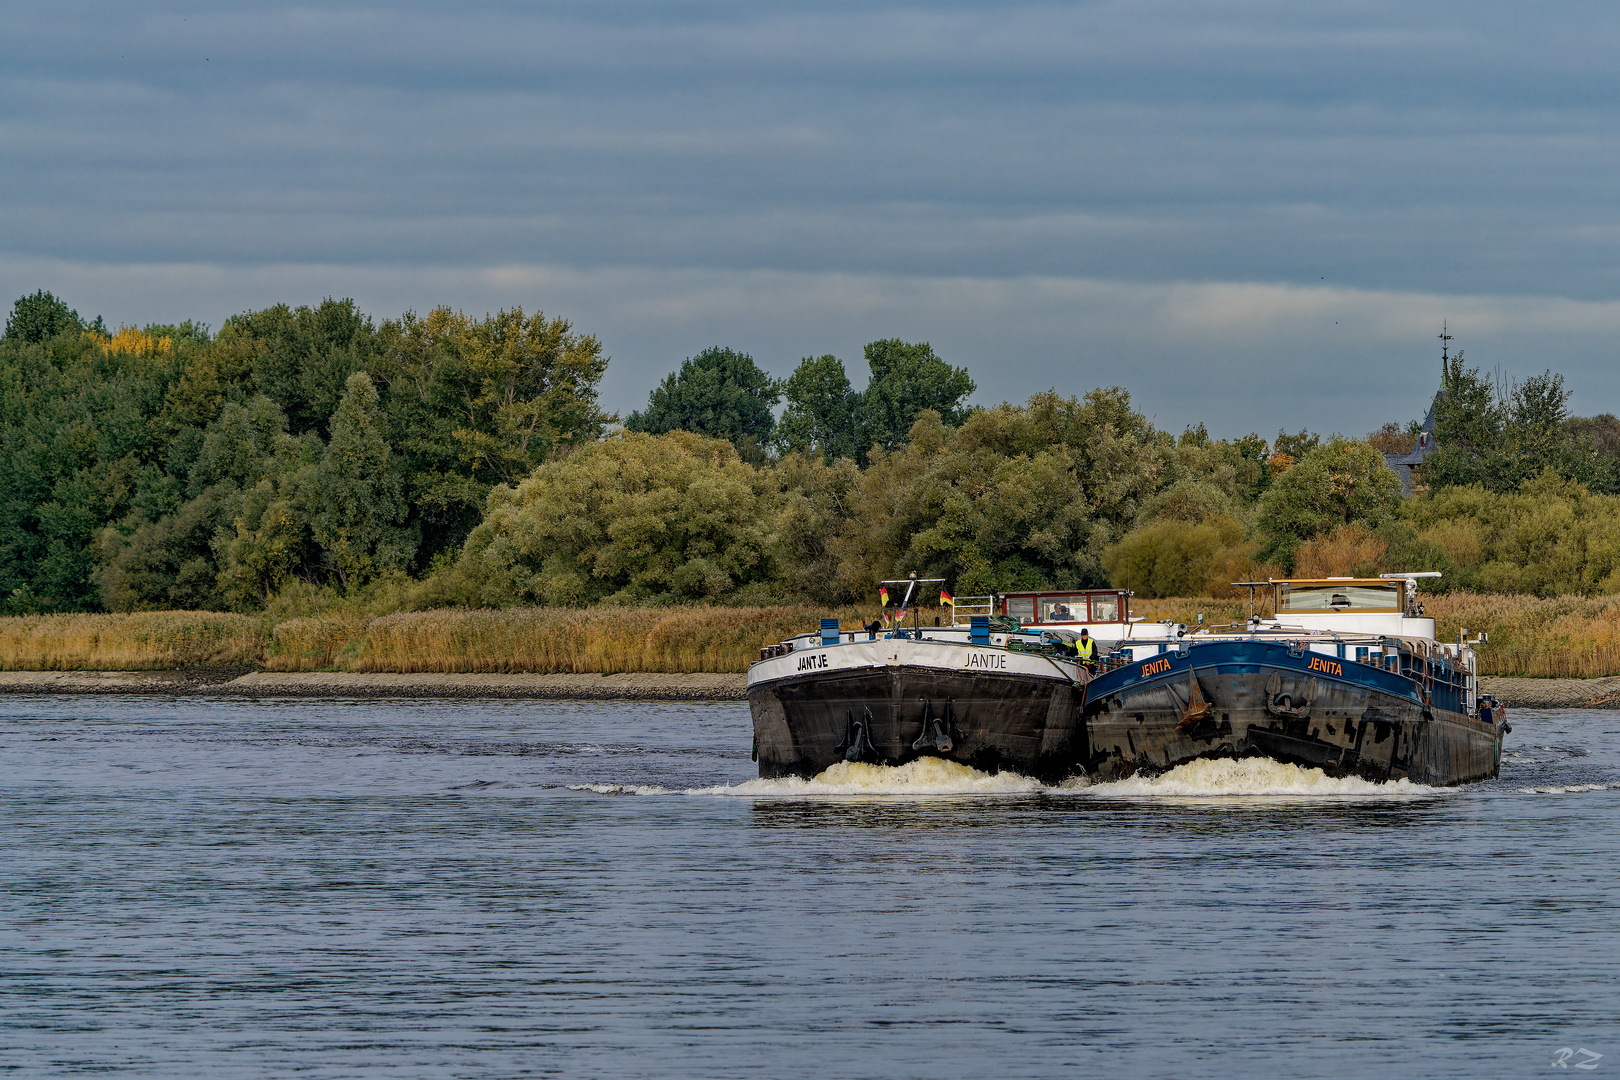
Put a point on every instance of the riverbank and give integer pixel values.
(624, 686)
(229, 682)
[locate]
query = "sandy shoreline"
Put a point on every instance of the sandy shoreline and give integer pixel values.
(640, 686)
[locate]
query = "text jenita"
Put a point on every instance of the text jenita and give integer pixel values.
(1155, 667)
(1326, 666)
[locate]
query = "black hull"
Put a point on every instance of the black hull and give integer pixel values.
(1348, 728)
(1026, 725)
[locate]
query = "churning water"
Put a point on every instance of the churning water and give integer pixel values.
(426, 889)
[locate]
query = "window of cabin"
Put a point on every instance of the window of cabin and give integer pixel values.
(1340, 596)
(1021, 608)
(1105, 609)
(1063, 609)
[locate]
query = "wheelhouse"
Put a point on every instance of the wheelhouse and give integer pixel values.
(1060, 608)
(1340, 596)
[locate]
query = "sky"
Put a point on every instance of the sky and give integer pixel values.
(1252, 214)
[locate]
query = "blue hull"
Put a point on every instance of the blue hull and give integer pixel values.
(1259, 698)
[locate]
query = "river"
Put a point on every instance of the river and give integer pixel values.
(194, 887)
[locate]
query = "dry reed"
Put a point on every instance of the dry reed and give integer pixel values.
(144, 641)
(316, 643)
(1569, 636)
(591, 640)
(540, 640)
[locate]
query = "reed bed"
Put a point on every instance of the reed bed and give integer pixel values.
(1562, 637)
(316, 643)
(144, 641)
(591, 640)
(1570, 637)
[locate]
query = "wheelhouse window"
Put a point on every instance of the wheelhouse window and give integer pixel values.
(1021, 608)
(1342, 596)
(1105, 609)
(1063, 609)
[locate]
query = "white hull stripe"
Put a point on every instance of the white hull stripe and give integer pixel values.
(900, 652)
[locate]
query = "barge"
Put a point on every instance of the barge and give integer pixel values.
(1345, 676)
(1000, 687)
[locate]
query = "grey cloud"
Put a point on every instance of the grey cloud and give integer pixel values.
(907, 169)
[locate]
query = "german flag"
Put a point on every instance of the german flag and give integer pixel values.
(946, 598)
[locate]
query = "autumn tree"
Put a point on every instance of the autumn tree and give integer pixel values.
(1340, 482)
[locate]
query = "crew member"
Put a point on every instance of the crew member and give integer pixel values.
(1085, 650)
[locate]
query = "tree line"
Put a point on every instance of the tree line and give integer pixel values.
(442, 459)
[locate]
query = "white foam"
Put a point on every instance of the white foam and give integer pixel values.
(1221, 777)
(931, 776)
(1563, 789)
(623, 789)
(925, 776)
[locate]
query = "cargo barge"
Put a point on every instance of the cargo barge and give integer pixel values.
(1000, 687)
(1346, 676)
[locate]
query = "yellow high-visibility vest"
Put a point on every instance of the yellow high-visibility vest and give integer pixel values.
(1083, 647)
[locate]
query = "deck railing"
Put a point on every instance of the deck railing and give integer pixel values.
(966, 607)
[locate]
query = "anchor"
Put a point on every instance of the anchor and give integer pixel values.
(1281, 704)
(941, 732)
(1198, 710)
(857, 743)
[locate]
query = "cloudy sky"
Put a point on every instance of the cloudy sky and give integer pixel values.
(1251, 213)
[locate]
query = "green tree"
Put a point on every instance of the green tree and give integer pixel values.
(40, 317)
(1341, 482)
(264, 551)
(1016, 497)
(1296, 445)
(302, 358)
(631, 519)
(80, 451)
(719, 393)
(1550, 537)
(816, 499)
(823, 411)
(169, 562)
(1469, 417)
(907, 380)
(475, 403)
(354, 499)
(238, 446)
(167, 467)
(1173, 558)
(1501, 436)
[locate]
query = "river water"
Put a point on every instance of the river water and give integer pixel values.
(192, 887)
